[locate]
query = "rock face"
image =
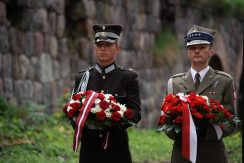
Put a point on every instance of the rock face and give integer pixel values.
(43, 44)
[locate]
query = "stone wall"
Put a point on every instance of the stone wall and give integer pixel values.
(43, 43)
(33, 52)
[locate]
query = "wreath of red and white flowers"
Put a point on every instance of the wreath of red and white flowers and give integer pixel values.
(201, 108)
(105, 111)
(181, 112)
(98, 110)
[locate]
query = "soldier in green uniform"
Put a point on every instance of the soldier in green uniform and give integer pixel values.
(107, 77)
(203, 80)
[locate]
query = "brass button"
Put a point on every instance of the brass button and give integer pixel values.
(116, 94)
(104, 77)
(100, 135)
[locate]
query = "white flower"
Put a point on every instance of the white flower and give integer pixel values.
(107, 96)
(121, 113)
(83, 100)
(69, 108)
(207, 100)
(95, 110)
(180, 94)
(71, 101)
(162, 112)
(74, 101)
(98, 107)
(122, 107)
(97, 101)
(112, 102)
(108, 113)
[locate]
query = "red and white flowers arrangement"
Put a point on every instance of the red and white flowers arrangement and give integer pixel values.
(201, 108)
(105, 111)
(96, 110)
(181, 112)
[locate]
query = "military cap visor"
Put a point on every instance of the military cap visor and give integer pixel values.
(199, 35)
(199, 38)
(106, 36)
(107, 33)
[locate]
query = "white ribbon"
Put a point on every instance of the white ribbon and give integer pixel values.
(218, 131)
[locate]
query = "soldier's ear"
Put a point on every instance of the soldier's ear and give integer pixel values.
(188, 54)
(118, 47)
(211, 53)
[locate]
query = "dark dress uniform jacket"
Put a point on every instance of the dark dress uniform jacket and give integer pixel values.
(123, 84)
(219, 86)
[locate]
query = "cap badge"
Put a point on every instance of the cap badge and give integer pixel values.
(194, 28)
(103, 34)
(103, 27)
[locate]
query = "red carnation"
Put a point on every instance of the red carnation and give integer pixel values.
(198, 115)
(87, 92)
(77, 96)
(192, 104)
(101, 115)
(116, 108)
(111, 98)
(100, 96)
(227, 114)
(206, 108)
(71, 113)
(76, 105)
(104, 104)
(210, 116)
(162, 120)
(192, 94)
(169, 98)
(116, 116)
(65, 108)
(176, 100)
(129, 114)
(179, 119)
(221, 126)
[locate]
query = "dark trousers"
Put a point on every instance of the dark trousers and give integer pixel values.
(92, 151)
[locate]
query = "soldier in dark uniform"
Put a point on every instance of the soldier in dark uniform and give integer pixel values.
(212, 83)
(107, 77)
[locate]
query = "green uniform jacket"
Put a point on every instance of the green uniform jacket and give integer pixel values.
(219, 86)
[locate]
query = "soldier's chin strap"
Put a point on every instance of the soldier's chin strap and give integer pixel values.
(83, 83)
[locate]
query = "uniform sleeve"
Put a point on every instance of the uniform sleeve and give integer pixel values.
(76, 83)
(77, 79)
(228, 99)
(229, 96)
(133, 97)
(172, 134)
(228, 102)
(75, 87)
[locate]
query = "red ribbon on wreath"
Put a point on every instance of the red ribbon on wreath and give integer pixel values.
(81, 119)
(189, 135)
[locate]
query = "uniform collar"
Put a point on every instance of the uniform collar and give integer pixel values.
(106, 69)
(202, 73)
